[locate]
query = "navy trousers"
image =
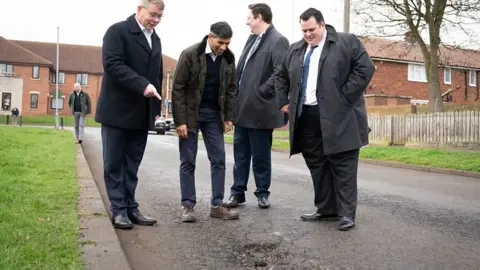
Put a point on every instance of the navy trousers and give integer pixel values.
(210, 125)
(123, 151)
(252, 145)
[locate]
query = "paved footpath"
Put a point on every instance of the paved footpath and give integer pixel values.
(406, 219)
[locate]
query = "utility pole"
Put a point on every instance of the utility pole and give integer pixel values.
(293, 23)
(168, 90)
(346, 16)
(57, 124)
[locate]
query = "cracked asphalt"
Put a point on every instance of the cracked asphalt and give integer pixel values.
(405, 219)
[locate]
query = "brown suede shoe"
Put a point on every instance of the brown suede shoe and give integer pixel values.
(223, 211)
(187, 214)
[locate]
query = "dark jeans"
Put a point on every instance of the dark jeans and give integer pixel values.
(252, 145)
(335, 175)
(123, 151)
(210, 125)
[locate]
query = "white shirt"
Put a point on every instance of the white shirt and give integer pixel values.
(311, 90)
(208, 51)
(147, 33)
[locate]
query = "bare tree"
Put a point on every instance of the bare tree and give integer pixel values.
(421, 21)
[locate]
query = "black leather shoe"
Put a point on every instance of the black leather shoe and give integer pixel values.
(319, 217)
(138, 218)
(346, 224)
(235, 201)
(121, 221)
(263, 203)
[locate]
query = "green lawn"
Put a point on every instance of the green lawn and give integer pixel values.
(440, 158)
(49, 120)
(38, 198)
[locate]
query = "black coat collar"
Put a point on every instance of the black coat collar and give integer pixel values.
(135, 28)
(332, 36)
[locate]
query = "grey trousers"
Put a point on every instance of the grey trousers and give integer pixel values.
(79, 119)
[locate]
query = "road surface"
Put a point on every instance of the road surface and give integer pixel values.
(405, 220)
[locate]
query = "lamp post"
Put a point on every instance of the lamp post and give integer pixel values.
(56, 82)
(346, 16)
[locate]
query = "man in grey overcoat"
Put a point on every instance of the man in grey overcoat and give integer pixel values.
(321, 86)
(256, 111)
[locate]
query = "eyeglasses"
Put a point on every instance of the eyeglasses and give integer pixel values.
(153, 15)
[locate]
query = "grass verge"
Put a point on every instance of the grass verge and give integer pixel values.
(440, 158)
(38, 198)
(49, 120)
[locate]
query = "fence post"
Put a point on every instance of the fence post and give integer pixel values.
(391, 130)
(20, 122)
(8, 119)
(61, 122)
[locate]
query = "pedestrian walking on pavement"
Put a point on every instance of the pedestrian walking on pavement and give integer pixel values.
(81, 106)
(321, 86)
(15, 114)
(256, 111)
(203, 97)
(128, 105)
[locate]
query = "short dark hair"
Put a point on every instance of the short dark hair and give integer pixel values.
(312, 12)
(262, 9)
(221, 30)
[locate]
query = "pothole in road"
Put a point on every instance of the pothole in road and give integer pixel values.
(259, 255)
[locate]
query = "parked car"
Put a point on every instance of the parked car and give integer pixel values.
(160, 125)
(170, 124)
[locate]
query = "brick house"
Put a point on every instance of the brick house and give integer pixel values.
(400, 71)
(28, 75)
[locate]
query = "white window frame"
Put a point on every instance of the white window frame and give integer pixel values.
(35, 72)
(4, 69)
(61, 102)
(417, 73)
(61, 77)
(472, 75)
(82, 78)
(448, 71)
(38, 100)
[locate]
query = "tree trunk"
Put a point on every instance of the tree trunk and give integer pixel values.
(435, 101)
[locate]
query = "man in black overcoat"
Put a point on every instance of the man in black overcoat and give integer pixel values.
(128, 105)
(321, 86)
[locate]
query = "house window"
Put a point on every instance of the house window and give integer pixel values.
(82, 79)
(416, 73)
(34, 101)
(53, 104)
(6, 70)
(6, 101)
(447, 75)
(61, 77)
(35, 72)
(473, 78)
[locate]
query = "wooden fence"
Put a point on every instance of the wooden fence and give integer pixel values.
(459, 129)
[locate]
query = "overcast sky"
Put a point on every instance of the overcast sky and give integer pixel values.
(185, 21)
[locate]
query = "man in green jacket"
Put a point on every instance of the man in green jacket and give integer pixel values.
(203, 98)
(81, 105)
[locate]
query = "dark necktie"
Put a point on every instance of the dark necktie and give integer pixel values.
(303, 93)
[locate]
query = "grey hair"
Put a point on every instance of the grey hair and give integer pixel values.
(159, 3)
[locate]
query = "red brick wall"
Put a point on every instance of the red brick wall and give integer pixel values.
(39, 85)
(92, 88)
(392, 78)
(44, 87)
